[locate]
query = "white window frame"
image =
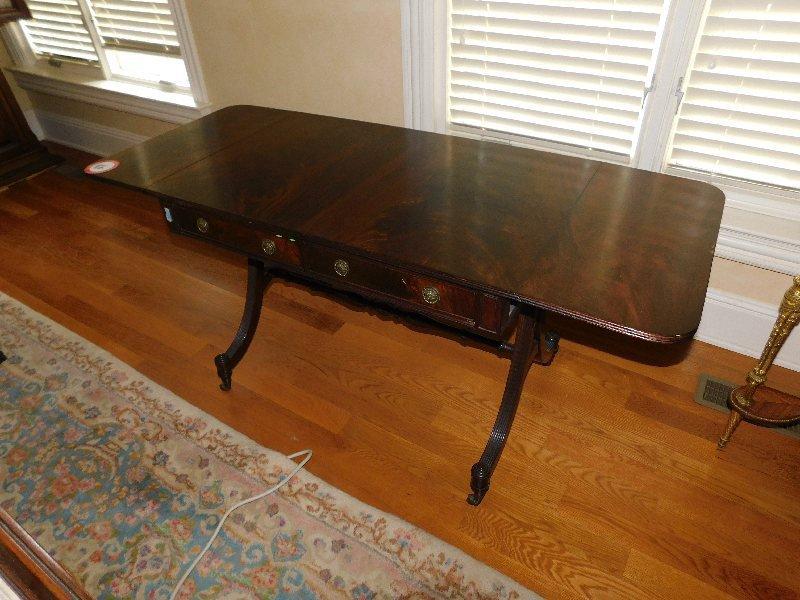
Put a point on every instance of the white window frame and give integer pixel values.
(761, 225)
(91, 83)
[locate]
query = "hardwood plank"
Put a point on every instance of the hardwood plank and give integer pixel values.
(550, 553)
(15, 208)
(675, 541)
(665, 581)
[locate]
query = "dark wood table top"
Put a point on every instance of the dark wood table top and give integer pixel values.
(626, 249)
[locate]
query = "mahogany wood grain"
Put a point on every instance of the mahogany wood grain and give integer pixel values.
(611, 487)
(625, 249)
(455, 301)
(237, 236)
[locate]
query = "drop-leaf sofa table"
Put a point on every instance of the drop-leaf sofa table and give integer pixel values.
(484, 237)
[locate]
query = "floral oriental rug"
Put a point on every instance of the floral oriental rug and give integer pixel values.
(122, 483)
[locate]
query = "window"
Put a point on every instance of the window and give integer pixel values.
(57, 30)
(707, 89)
(136, 56)
(702, 88)
(128, 40)
(574, 73)
(740, 117)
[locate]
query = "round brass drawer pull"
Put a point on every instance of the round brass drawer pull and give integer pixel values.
(430, 295)
(341, 267)
(269, 247)
(202, 225)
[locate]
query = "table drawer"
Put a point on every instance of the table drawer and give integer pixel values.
(245, 238)
(431, 296)
(448, 302)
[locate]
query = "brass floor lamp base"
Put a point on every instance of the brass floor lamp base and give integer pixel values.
(756, 403)
(768, 407)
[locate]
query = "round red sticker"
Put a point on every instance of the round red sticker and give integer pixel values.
(101, 166)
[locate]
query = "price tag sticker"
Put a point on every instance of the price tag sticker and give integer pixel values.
(101, 166)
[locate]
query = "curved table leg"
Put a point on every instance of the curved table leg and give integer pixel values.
(524, 346)
(257, 279)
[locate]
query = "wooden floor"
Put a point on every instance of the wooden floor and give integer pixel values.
(611, 484)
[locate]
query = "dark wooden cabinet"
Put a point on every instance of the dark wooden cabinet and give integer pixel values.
(21, 154)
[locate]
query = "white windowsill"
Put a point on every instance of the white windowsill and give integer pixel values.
(172, 107)
(766, 241)
(760, 225)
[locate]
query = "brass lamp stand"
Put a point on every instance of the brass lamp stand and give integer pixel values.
(764, 405)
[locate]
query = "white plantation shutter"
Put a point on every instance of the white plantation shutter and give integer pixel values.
(136, 25)
(127, 42)
(57, 29)
(740, 116)
(566, 71)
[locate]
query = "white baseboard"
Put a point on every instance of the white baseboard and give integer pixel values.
(80, 134)
(737, 323)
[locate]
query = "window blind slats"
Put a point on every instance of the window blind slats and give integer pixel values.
(756, 87)
(740, 117)
(744, 67)
(619, 6)
(566, 71)
(625, 37)
(734, 47)
(585, 127)
(740, 145)
(497, 124)
(752, 29)
(598, 52)
(737, 104)
(704, 162)
(559, 10)
(594, 96)
(554, 63)
(136, 25)
(770, 10)
(610, 93)
(783, 143)
(600, 114)
(724, 118)
(57, 29)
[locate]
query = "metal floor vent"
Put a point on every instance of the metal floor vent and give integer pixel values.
(714, 393)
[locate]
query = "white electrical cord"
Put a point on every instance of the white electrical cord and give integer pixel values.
(274, 488)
